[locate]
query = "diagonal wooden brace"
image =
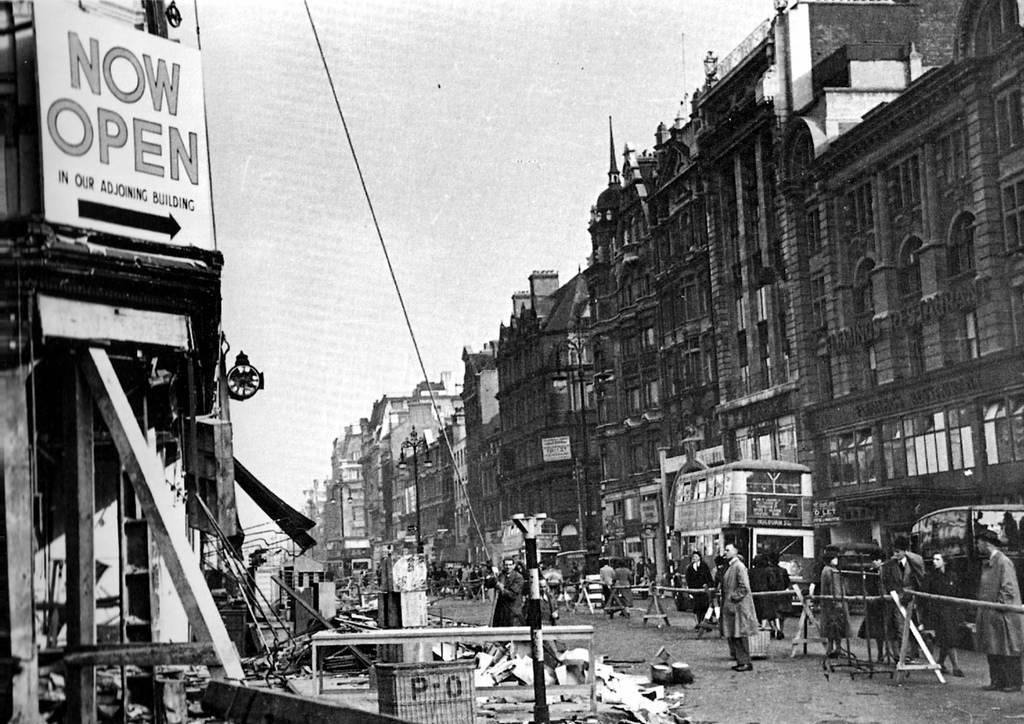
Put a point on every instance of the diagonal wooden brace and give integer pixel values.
(147, 476)
(910, 628)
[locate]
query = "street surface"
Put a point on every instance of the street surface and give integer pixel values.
(780, 689)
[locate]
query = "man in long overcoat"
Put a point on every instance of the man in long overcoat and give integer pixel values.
(1000, 633)
(904, 570)
(739, 619)
(508, 604)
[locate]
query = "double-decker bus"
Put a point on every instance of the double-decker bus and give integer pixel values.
(761, 506)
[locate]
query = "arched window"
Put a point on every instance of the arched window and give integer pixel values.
(909, 269)
(863, 293)
(997, 23)
(801, 154)
(960, 252)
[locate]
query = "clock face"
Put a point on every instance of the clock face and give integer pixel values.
(243, 382)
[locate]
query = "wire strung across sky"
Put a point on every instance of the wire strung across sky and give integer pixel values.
(394, 280)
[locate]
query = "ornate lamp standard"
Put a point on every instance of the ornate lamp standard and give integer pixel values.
(416, 445)
(576, 348)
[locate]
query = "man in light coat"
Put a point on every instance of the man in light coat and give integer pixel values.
(1000, 633)
(739, 619)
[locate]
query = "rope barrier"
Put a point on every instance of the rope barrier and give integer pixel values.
(968, 602)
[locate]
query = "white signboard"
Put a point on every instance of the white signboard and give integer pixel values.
(123, 130)
(556, 448)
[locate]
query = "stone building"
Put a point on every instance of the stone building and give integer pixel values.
(906, 230)
(699, 280)
(625, 343)
(546, 412)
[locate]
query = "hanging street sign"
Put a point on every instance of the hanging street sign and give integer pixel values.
(122, 130)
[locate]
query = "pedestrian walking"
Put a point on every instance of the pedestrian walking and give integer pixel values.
(721, 564)
(943, 618)
(872, 627)
(739, 619)
(835, 615)
(623, 594)
(508, 603)
(779, 581)
(1000, 634)
(698, 575)
(607, 574)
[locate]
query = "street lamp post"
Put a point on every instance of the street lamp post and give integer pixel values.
(576, 345)
(416, 444)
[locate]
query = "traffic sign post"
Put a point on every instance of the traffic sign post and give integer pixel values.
(529, 525)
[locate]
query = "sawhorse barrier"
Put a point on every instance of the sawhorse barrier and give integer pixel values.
(808, 620)
(654, 609)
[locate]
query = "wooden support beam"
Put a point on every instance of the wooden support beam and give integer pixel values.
(244, 705)
(16, 481)
(80, 509)
(142, 654)
(146, 473)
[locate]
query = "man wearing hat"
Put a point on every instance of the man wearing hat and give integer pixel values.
(1000, 634)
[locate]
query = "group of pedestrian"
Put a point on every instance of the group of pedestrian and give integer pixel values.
(999, 633)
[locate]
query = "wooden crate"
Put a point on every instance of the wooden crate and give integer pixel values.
(439, 692)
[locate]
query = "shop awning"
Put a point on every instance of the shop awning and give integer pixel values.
(289, 520)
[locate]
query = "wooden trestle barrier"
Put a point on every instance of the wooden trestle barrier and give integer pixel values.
(808, 620)
(654, 609)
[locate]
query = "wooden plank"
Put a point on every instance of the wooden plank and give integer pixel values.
(245, 705)
(145, 471)
(80, 501)
(73, 319)
(16, 480)
(142, 654)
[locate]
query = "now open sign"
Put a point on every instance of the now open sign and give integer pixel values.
(122, 129)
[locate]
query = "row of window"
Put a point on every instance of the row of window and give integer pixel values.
(641, 456)
(934, 442)
(775, 442)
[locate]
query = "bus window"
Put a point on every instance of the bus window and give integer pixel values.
(758, 481)
(780, 544)
(788, 483)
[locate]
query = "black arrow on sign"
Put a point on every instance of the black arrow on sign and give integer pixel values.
(127, 217)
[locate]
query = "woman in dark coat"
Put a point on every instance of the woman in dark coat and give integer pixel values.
(835, 616)
(760, 581)
(942, 618)
(698, 575)
(873, 625)
(779, 581)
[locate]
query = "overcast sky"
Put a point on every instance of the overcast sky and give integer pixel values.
(482, 131)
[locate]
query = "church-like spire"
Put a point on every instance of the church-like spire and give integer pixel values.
(613, 170)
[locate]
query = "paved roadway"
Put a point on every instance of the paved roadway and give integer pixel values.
(780, 689)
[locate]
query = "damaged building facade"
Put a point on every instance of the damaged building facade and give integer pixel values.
(116, 462)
